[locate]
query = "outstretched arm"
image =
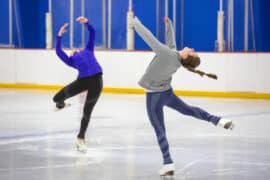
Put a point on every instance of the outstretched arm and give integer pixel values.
(170, 36)
(60, 53)
(91, 39)
(147, 36)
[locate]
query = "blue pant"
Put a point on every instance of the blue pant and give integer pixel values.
(155, 103)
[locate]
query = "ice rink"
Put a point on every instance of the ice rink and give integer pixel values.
(37, 143)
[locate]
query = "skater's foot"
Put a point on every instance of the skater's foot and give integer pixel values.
(226, 123)
(167, 170)
(61, 105)
(81, 146)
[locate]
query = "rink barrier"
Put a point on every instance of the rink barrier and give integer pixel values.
(247, 73)
(215, 94)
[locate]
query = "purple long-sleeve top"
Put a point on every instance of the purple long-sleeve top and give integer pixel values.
(84, 61)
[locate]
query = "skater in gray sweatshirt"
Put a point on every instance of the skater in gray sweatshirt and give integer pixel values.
(159, 93)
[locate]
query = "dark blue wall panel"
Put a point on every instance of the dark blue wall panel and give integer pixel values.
(93, 11)
(77, 36)
(60, 11)
(119, 11)
(4, 32)
(30, 23)
(43, 8)
(258, 25)
(200, 24)
(146, 12)
(264, 33)
(239, 26)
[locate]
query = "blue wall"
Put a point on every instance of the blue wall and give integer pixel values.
(28, 23)
(4, 38)
(263, 31)
(29, 18)
(147, 13)
(200, 23)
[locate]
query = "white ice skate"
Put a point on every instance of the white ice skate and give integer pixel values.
(225, 123)
(167, 170)
(81, 146)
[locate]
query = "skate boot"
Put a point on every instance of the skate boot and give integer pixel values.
(225, 123)
(167, 170)
(61, 105)
(81, 146)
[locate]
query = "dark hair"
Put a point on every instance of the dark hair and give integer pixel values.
(191, 62)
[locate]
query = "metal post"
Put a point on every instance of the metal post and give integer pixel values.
(10, 23)
(83, 27)
(220, 5)
(220, 28)
(50, 6)
(104, 23)
(130, 30)
(166, 14)
(166, 7)
(49, 26)
(17, 24)
(252, 25)
(182, 24)
(229, 26)
(71, 23)
(246, 26)
(130, 5)
(174, 15)
(232, 25)
(109, 23)
(157, 19)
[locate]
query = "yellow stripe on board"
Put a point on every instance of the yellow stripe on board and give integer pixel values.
(30, 86)
(252, 95)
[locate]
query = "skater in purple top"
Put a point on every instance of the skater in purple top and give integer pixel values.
(89, 78)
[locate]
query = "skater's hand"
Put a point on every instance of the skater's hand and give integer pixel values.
(82, 19)
(166, 19)
(62, 29)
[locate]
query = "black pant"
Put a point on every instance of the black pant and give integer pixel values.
(94, 86)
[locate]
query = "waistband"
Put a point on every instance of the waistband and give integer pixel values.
(92, 76)
(156, 92)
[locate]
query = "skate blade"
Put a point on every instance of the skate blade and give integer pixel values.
(231, 127)
(167, 178)
(81, 150)
(168, 174)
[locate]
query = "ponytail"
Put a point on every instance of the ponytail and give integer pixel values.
(201, 73)
(191, 62)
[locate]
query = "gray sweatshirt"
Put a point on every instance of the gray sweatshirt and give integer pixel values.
(158, 75)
